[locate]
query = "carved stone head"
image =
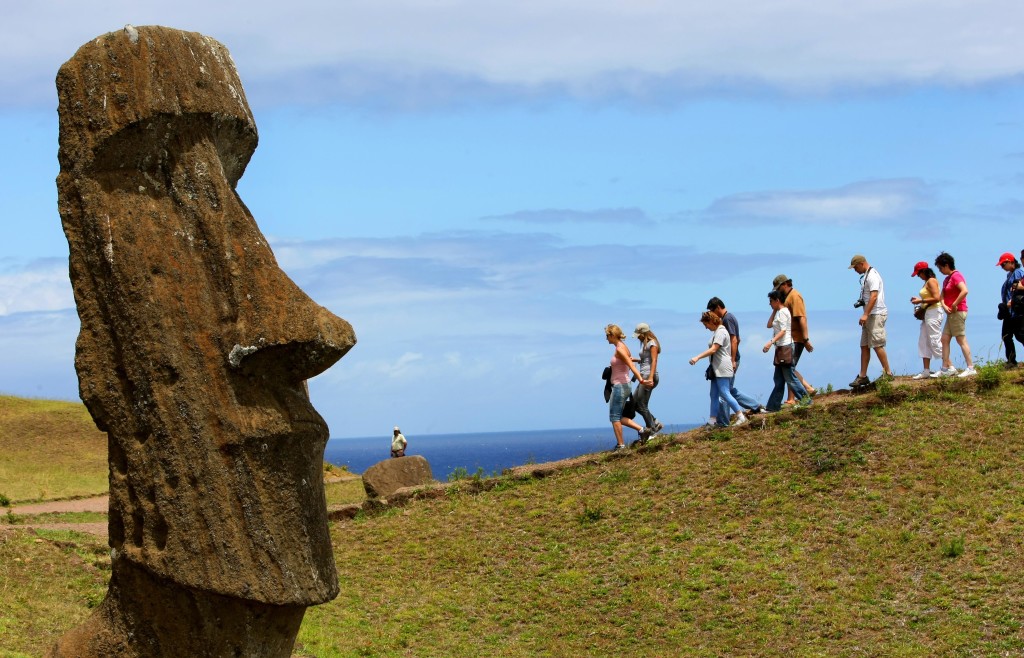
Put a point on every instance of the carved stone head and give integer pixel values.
(194, 346)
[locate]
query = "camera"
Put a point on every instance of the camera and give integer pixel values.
(858, 303)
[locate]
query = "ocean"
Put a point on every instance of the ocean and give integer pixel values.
(490, 451)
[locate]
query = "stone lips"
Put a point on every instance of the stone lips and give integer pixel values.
(215, 460)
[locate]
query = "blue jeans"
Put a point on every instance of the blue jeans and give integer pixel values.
(722, 388)
(743, 399)
(642, 395)
(620, 393)
(784, 375)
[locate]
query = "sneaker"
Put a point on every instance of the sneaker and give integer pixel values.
(946, 372)
(619, 447)
(886, 376)
(759, 409)
(859, 381)
(740, 420)
(970, 372)
(711, 423)
(645, 435)
(811, 390)
(657, 426)
(924, 374)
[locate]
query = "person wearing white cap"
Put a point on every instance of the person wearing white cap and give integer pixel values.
(650, 348)
(398, 444)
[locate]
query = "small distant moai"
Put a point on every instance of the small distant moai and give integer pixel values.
(193, 355)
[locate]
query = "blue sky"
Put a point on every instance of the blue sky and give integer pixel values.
(479, 187)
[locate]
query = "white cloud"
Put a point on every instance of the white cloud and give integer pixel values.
(631, 216)
(415, 49)
(41, 285)
(866, 201)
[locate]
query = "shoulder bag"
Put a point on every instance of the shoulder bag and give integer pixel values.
(783, 355)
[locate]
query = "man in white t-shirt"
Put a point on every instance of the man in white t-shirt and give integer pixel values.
(872, 320)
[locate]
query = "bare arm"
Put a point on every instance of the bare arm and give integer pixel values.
(622, 352)
(708, 352)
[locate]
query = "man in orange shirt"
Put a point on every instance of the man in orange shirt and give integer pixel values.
(795, 303)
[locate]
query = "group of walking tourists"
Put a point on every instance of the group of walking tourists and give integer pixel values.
(940, 307)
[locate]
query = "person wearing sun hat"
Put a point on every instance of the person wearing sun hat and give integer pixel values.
(872, 319)
(928, 301)
(650, 348)
(398, 443)
(1012, 314)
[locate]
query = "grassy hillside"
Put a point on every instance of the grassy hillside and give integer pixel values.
(887, 524)
(49, 450)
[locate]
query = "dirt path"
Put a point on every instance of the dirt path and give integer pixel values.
(94, 504)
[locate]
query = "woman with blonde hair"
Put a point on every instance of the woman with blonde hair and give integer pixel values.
(622, 363)
(650, 348)
(720, 372)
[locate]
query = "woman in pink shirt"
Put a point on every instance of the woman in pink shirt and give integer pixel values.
(954, 303)
(622, 363)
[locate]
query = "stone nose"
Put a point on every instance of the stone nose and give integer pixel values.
(309, 340)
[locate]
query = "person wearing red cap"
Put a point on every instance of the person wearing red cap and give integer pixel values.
(928, 300)
(1012, 314)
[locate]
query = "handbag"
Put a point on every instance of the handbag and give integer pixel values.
(629, 408)
(783, 355)
(919, 312)
(709, 374)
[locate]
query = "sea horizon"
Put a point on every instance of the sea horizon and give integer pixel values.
(489, 452)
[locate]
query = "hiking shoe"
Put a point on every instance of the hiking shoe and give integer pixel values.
(924, 374)
(859, 381)
(970, 372)
(946, 372)
(740, 420)
(657, 426)
(619, 447)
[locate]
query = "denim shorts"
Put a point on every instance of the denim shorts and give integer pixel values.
(620, 393)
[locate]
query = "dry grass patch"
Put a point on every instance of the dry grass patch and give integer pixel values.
(51, 450)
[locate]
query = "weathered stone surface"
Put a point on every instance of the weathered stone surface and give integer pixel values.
(192, 356)
(384, 478)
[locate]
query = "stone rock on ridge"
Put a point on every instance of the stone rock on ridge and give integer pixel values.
(386, 477)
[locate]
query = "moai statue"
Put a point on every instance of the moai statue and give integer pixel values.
(193, 355)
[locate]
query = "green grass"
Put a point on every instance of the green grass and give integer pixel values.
(51, 450)
(859, 526)
(348, 491)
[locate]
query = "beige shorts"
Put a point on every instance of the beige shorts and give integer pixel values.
(872, 334)
(956, 324)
